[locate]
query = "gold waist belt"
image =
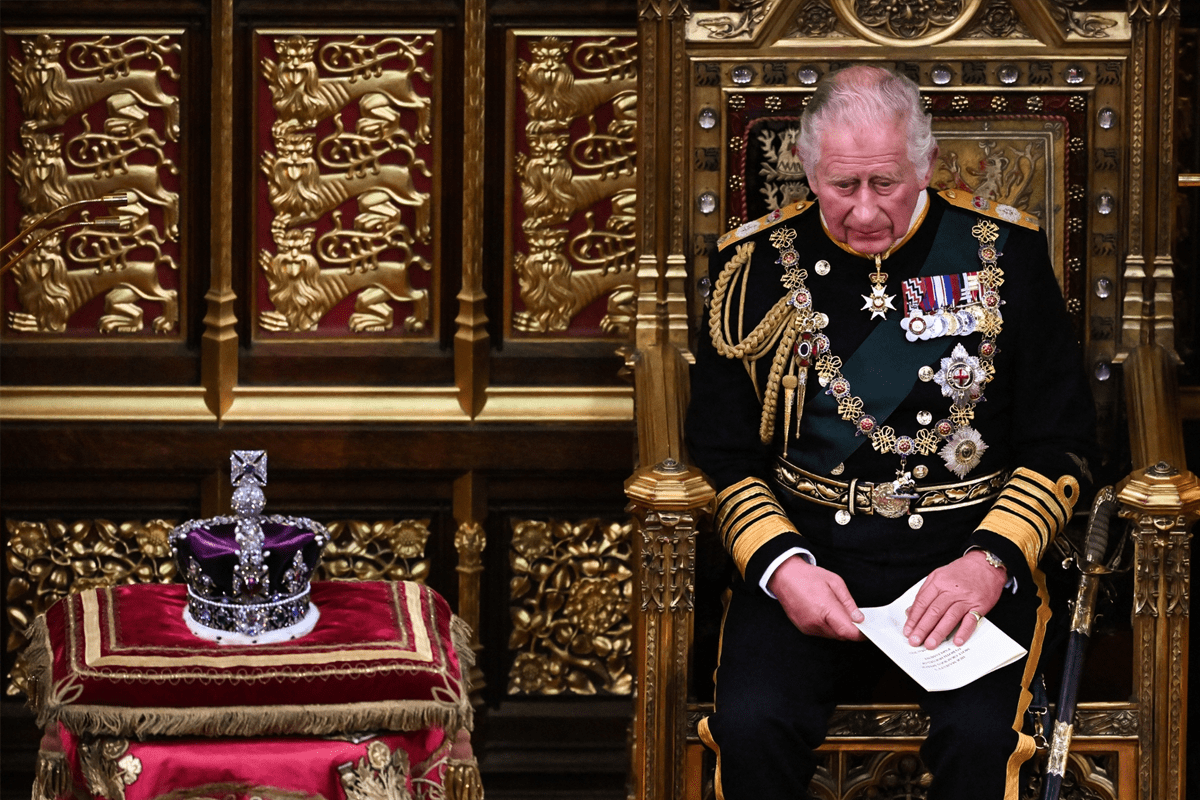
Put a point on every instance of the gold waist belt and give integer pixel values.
(888, 498)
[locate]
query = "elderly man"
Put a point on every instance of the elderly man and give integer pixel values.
(888, 390)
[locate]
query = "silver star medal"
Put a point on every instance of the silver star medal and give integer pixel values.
(961, 377)
(877, 302)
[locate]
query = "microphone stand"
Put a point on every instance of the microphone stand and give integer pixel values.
(116, 221)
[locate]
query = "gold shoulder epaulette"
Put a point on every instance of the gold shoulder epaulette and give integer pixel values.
(990, 208)
(754, 225)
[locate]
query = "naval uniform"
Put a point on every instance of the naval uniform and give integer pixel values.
(885, 430)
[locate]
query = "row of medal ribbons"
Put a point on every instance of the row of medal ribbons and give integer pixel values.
(942, 305)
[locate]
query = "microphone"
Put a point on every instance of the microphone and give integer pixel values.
(113, 222)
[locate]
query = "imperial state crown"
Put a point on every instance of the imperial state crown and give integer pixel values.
(248, 575)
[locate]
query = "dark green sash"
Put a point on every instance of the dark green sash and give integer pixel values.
(883, 370)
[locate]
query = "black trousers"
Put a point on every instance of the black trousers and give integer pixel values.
(777, 687)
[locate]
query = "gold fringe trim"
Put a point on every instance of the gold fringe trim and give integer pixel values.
(103, 720)
(232, 721)
(463, 781)
(52, 777)
(461, 635)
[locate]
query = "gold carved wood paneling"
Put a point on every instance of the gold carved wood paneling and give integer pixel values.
(570, 598)
(472, 343)
(906, 23)
(376, 551)
(346, 239)
(572, 151)
(869, 770)
(46, 560)
(98, 115)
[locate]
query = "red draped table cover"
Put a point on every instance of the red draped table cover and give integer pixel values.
(137, 707)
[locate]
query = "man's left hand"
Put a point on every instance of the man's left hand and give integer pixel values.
(948, 597)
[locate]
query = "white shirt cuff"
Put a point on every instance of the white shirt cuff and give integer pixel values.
(784, 556)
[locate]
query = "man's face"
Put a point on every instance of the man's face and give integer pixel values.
(867, 186)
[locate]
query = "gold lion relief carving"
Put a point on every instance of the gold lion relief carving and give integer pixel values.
(49, 98)
(121, 154)
(300, 193)
(49, 291)
(561, 273)
(313, 171)
(43, 183)
(301, 96)
(303, 292)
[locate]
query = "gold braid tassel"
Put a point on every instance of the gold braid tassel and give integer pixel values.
(52, 777)
(771, 395)
(789, 396)
(462, 780)
(803, 381)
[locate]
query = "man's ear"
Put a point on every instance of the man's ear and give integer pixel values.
(929, 172)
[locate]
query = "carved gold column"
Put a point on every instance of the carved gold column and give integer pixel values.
(1163, 502)
(470, 507)
(660, 357)
(666, 501)
(1162, 277)
(667, 498)
(471, 339)
(1147, 313)
(219, 344)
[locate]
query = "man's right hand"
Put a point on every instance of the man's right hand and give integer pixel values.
(816, 600)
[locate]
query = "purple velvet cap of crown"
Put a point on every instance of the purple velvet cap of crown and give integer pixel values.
(213, 546)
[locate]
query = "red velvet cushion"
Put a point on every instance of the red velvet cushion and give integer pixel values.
(122, 662)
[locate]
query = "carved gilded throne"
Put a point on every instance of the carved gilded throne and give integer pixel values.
(1062, 108)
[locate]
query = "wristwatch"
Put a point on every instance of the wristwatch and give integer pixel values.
(993, 559)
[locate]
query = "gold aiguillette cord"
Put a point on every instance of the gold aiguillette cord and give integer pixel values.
(791, 383)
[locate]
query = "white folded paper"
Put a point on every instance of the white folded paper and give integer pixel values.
(947, 666)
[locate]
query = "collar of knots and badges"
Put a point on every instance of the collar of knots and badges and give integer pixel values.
(946, 306)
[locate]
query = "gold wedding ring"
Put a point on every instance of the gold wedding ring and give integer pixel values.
(978, 617)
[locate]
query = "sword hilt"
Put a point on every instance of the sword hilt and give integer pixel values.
(1096, 543)
(1092, 566)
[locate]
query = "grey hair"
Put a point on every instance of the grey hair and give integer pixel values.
(861, 96)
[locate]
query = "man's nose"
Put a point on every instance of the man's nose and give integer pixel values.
(865, 206)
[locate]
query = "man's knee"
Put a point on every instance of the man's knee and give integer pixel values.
(976, 738)
(761, 722)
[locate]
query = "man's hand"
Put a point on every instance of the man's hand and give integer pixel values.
(948, 597)
(815, 600)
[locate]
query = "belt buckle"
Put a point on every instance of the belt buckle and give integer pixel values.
(892, 499)
(886, 503)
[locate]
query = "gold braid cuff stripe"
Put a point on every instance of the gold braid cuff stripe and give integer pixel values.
(1031, 511)
(748, 516)
(856, 496)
